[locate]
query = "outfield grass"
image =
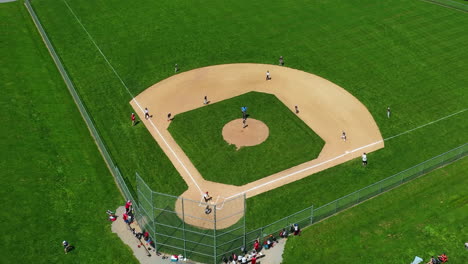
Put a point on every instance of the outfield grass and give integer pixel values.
(405, 54)
(55, 185)
(290, 141)
(423, 218)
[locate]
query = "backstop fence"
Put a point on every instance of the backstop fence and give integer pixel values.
(166, 217)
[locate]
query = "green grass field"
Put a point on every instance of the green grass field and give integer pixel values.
(290, 141)
(55, 185)
(423, 218)
(405, 54)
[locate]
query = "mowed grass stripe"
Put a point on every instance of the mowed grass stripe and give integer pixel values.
(55, 184)
(423, 218)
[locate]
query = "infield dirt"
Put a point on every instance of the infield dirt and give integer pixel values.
(325, 107)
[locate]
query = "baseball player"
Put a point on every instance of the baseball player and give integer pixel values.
(205, 100)
(244, 122)
(207, 197)
(281, 61)
(66, 246)
(388, 112)
(146, 113)
(268, 77)
(133, 119)
(169, 117)
(343, 136)
(297, 109)
(176, 68)
(364, 159)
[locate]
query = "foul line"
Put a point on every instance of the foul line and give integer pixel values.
(133, 97)
(342, 155)
(430, 123)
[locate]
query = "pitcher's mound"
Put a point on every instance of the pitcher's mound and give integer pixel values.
(253, 134)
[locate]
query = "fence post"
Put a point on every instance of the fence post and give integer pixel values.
(214, 234)
(154, 222)
(183, 228)
(245, 212)
(312, 214)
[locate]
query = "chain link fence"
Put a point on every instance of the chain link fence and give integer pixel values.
(450, 4)
(167, 217)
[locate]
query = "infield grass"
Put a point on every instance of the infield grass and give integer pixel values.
(55, 185)
(408, 55)
(424, 218)
(290, 141)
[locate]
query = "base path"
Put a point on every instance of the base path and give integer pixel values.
(324, 106)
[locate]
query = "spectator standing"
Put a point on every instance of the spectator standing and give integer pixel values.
(128, 206)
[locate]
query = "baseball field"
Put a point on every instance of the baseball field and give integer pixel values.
(357, 57)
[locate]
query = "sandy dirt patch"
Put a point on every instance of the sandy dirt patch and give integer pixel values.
(324, 106)
(252, 133)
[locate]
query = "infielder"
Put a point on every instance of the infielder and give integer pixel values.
(364, 159)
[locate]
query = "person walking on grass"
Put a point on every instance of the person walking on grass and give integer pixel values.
(389, 112)
(176, 68)
(364, 159)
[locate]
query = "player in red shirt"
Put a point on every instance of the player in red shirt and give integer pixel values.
(133, 119)
(127, 206)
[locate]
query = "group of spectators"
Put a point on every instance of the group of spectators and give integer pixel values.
(252, 256)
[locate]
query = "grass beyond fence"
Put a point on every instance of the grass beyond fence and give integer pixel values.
(55, 185)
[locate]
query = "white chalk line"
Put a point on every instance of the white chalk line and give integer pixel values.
(133, 97)
(342, 155)
(430, 123)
